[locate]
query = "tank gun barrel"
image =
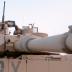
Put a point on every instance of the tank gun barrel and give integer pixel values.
(58, 43)
(50, 44)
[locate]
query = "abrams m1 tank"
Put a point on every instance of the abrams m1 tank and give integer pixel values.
(27, 50)
(28, 39)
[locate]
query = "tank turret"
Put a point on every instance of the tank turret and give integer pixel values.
(28, 41)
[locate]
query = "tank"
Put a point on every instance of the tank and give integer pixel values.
(28, 39)
(28, 50)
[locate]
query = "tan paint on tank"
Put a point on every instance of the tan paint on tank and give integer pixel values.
(39, 63)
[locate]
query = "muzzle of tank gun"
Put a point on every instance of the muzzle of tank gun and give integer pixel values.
(68, 41)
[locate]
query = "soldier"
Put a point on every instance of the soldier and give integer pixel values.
(17, 30)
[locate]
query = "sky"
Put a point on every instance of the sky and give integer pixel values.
(51, 16)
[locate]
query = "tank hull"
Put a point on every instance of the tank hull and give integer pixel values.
(37, 63)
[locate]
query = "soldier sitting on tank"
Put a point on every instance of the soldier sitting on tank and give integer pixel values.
(17, 30)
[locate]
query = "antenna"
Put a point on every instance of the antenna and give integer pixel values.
(3, 25)
(3, 13)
